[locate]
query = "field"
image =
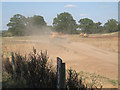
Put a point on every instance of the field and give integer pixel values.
(95, 55)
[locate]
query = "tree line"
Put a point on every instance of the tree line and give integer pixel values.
(20, 25)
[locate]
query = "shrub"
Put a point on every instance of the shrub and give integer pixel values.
(73, 81)
(34, 71)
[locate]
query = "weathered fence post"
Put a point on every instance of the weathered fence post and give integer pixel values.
(59, 62)
(61, 76)
(13, 66)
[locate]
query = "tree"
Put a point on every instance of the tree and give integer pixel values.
(37, 21)
(86, 25)
(65, 23)
(98, 24)
(97, 28)
(20, 25)
(111, 26)
(17, 25)
(35, 24)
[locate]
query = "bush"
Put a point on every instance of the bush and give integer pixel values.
(6, 33)
(73, 81)
(35, 71)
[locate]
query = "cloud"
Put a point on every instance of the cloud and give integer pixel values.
(82, 14)
(70, 6)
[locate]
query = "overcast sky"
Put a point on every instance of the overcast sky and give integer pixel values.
(97, 11)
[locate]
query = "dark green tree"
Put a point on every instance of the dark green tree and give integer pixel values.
(17, 25)
(98, 24)
(97, 28)
(35, 25)
(111, 26)
(37, 21)
(86, 25)
(64, 23)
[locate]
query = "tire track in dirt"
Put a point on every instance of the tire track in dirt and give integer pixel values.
(78, 55)
(91, 59)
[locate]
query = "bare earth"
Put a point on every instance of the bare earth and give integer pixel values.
(78, 55)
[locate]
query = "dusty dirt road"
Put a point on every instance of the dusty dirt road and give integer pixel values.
(83, 57)
(78, 55)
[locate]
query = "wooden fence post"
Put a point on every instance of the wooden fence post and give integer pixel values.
(59, 62)
(13, 66)
(61, 75)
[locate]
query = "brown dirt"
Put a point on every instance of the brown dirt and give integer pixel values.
(78, 55)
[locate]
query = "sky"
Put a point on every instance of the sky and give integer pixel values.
(97, 11)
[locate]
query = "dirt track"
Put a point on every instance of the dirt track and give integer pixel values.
(78, 55)
(85, 57)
